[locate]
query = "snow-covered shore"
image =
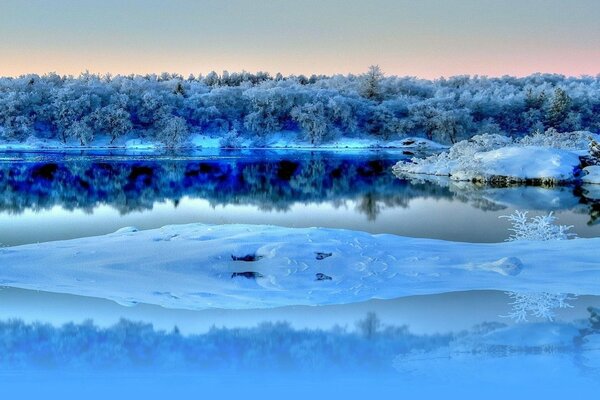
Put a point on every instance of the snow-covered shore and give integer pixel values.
(543, 158)
(202, 266)
(206, 141)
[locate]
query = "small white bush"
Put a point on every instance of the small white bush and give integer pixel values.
(540, 305)
(542, 227)
(576, 140)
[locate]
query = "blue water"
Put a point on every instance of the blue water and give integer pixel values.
(49, 196)
(151, 352)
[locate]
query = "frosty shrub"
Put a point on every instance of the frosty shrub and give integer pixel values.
(231, 140)
(543, 304)
(539, 305)
(537, 228)
(559, 140)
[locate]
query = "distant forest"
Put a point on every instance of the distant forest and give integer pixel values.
(170, 108)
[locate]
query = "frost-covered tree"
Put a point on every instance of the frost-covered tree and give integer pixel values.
(313, 121)
(446, 110)
(371, 83)
(173, 131)
(369, 326)
(112, 120)
(559, 108)
(82, 131)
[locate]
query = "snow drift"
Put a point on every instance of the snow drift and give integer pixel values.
(497, 159)
(246, 266)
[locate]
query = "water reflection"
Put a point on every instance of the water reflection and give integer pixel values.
(50, 197)
(486, 350)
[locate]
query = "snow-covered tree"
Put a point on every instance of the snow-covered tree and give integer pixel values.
(312, 119)
(173, 131)
(446, 110)
(369, 326)
(81, 131)
(371, 83)
(559, 108)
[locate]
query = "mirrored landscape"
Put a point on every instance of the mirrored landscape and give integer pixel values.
(61, 196)
(402, 343)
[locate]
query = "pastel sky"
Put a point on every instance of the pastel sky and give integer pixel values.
(425, 38)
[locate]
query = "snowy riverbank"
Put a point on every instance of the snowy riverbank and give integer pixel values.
(206, 141)
(203, 266)
(543, 158)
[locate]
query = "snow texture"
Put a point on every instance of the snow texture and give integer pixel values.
(201, 266)
(489, 158)
(591, 174)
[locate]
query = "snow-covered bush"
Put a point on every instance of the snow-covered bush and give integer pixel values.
(558, 140)
(541, 227)
(539, 305)
(231, 140)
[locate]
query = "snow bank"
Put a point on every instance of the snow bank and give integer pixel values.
(282, 140)
(498, 159)
(509, 163)
(520, 163)
(591, 174)
(247, 266)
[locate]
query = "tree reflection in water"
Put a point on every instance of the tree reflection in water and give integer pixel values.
(270, 183)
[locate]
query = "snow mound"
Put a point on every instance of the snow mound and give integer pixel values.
(591, 174)
(496, 159)
(253, 266)
(126, 229)
(520, 163)
(507, 266)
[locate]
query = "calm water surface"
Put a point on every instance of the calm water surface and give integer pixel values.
(47, 197)
(379, 347)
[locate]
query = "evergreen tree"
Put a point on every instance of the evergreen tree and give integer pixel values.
(371, 83)
(559, 108)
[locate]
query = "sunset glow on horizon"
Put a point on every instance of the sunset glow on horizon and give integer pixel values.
(428, 39)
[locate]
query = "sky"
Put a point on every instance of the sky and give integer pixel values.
(424, 38)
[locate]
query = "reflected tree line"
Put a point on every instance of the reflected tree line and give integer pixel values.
(371, 346)
(268, 184)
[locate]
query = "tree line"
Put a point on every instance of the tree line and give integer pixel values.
(170, 108)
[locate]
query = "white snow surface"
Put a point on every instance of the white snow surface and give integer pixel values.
(591, 174)
(282, 140)
(191, 266)
(527, 162)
